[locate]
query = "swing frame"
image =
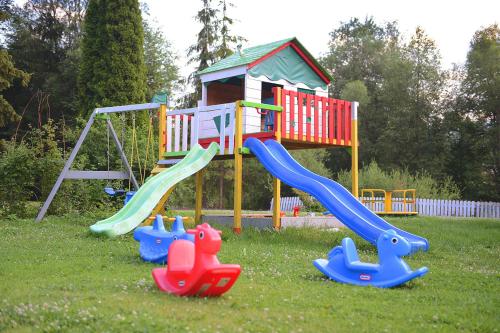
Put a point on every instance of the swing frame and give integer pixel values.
(68, 173)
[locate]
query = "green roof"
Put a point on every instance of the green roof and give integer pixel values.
(254, 53)
(246, 57)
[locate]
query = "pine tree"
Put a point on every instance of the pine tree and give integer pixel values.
(8, 73)
(226, 40)
(202, 52)
(162, 73)
(112, 70)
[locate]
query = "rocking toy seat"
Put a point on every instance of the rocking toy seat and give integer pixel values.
(193, 269)
(155, 241)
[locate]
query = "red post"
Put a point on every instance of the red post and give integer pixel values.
(300, 115)
(308, 117)
(316, 118)
(340, 106)
(324, 114)
(331, 122)
(284, 133)
(347, 122)
(292, 114)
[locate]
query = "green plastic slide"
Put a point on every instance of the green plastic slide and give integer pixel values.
(147, 197)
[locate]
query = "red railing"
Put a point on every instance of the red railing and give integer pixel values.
(312, 118)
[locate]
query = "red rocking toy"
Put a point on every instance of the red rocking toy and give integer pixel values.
(193, 269)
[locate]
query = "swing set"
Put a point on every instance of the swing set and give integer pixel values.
(134, 154)
(126, 172)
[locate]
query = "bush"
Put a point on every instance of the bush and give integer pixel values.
(371, 176)
(29, 169)
(16, 178)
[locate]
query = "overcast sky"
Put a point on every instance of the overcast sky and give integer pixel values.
(450, 23)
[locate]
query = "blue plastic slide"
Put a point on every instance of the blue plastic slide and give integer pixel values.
(333, 196)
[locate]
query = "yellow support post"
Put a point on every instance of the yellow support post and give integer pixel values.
(199, 196)
(388, 202)
(160, 207)
(354, 149)
(238, 167)
(276, 181)
(162, 128)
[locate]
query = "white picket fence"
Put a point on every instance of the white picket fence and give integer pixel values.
(425, 207)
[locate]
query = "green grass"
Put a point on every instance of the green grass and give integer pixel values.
(57, 276)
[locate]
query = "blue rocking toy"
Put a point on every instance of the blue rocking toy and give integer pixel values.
(343, 263)
(155, 240)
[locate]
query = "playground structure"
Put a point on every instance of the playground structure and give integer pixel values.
(395, 202)
(259, 102)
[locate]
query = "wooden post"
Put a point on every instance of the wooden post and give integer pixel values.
(354, 147)
(276, 181)
(199, 196)
(238, 167)
(162, 119)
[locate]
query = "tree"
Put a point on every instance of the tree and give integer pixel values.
(202, 53)
(411, 91)
(112, 70)
(43, 38)
(8, 73)
(226, 40)
(162, 72)
(359, 51)
(472, 119)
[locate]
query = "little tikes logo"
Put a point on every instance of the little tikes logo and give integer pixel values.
(365, 277)
(158, 241)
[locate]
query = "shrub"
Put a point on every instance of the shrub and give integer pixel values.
(16, 178)
(371, 176)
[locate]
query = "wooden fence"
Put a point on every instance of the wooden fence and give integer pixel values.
(425, 207)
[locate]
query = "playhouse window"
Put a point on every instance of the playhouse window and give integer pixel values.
(306, 91)
(226, 90)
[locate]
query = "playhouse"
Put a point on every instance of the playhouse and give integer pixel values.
(271, 91)
(276, 91)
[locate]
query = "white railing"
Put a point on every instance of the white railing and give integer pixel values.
(425, 207)
(186, 127)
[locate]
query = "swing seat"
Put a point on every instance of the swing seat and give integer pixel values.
(112, 192)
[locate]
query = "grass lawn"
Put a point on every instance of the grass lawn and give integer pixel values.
(56, 276)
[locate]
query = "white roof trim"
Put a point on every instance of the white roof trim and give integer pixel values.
(284, 82)
(223, 74)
